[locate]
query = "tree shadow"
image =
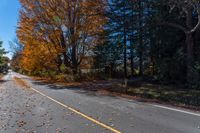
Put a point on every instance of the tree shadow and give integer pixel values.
(146, 93)
(80, 88)
(3, 81)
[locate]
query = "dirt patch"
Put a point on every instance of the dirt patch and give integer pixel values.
(21, 82)
(1, 76)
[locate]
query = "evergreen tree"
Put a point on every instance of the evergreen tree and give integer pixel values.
(3, 60)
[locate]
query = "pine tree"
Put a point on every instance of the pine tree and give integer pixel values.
(3, 59)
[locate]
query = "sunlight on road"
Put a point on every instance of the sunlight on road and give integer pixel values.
(100, 66)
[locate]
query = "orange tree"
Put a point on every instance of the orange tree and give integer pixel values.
(51, 29)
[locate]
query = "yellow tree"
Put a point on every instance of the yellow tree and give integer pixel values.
(71, 27)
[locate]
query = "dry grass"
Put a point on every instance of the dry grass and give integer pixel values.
(1, 76)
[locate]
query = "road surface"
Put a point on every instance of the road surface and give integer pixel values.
(48, 108)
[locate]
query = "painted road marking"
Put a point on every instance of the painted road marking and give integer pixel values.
(77, 112)
(177, 110)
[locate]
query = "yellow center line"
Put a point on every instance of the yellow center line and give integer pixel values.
(78, 112)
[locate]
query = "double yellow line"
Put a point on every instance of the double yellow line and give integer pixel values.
(74, 110)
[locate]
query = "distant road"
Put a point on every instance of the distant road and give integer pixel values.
(48, 108)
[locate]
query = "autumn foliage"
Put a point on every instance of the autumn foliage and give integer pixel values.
(56, 32)
(125, 39)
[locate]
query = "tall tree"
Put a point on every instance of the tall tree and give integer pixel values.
(3, 59)
(71, 29)
(118, 24)
(187, 9)
(2, 52)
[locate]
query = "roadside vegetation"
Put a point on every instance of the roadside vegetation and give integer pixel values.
(147, 43)
(173, 95)
(3, 61)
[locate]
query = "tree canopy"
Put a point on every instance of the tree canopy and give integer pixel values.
(153, 39)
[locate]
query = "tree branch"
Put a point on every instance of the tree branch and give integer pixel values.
(175, 26)
(198, 24)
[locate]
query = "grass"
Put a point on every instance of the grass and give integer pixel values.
(167, 94)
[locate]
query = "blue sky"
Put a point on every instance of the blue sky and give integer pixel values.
(9, 13)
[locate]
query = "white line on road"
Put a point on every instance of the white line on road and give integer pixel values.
(177, 110)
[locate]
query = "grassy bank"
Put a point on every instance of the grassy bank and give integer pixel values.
(167, 94)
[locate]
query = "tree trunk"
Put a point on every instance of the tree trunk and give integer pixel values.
(190, 56)
(58, 64)
(131, 39)
(125, 41)
(132, 56)
(140, 40)
(190, 46)
(74, 61)
(125, 56)
(140, 63)
(64, 48)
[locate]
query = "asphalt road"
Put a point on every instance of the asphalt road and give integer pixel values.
(48, 108)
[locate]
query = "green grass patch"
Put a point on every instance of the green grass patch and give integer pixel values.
(173, 95)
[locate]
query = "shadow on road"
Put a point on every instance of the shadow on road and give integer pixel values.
(81, 89)
(182, 98)
(3, 81)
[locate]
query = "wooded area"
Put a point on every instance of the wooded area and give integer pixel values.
(156, 40)
(3, 60)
